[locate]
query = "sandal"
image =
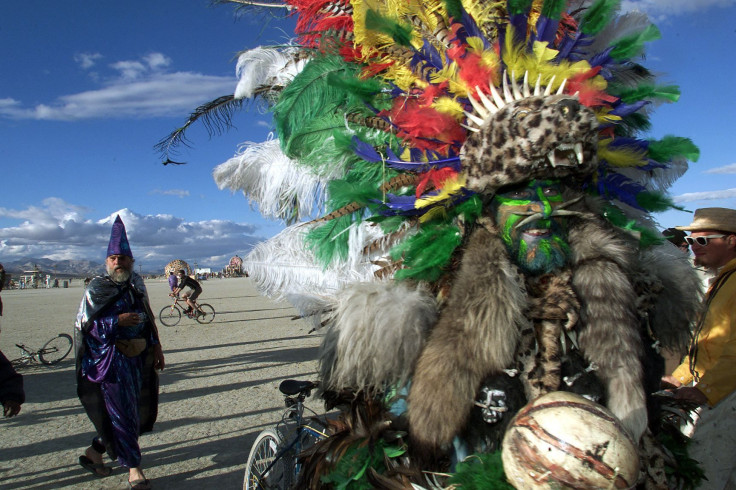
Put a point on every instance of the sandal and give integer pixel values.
(143, 484)
(97, 469)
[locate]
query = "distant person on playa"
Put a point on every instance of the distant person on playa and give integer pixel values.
(12, 395)
(118, 353)
(189, 289)
(172, 281)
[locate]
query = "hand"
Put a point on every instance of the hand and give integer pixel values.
(691, 394)
(670, 382)
(11, 408)
(128, 319)
(158, 357)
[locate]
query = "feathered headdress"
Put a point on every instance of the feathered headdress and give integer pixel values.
(375, 100)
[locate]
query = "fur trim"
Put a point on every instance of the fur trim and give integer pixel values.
(677, 308)
(610, 335)
(378, 332)
(476, 335)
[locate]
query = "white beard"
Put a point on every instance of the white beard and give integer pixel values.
(119, 276)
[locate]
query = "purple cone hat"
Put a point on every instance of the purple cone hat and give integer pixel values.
(118, 240)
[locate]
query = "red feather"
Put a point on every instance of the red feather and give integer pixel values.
(588, 94)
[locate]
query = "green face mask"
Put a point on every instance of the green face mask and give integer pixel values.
(534, 237)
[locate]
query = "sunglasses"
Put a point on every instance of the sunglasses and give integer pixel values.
(701, 240)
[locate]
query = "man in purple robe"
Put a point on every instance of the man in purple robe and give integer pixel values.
(118, 353)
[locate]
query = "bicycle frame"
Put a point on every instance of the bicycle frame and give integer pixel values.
(178, 300)
(27, 355)
(295, 410)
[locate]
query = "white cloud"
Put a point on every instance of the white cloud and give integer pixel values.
(156, 61)
(171, 192)
(726, 169)
(59, 230)
(138, 89)
(665, 8)
(705, 196)
(87, 60)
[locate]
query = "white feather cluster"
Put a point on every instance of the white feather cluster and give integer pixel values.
(266, 67)
(283, 267)
(378, 332)
(273, 181)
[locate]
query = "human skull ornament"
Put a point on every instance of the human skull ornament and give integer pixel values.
(562, 440)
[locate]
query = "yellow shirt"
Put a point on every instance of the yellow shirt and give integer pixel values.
(716, 343)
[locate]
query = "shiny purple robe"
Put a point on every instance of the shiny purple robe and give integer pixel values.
(110, 384)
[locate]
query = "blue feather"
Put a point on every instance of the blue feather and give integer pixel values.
(623, 109)
(621, 188)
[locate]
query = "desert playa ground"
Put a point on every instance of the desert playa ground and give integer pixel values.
(219, 389)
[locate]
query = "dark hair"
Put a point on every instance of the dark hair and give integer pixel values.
(183, 272)
(675, 236)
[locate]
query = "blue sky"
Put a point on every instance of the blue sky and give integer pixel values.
(88, 89)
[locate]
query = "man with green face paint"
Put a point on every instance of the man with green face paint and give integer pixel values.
(535, 236)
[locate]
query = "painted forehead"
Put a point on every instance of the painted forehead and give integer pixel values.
(534, 190)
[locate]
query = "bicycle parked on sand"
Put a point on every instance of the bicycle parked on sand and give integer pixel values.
(171, 315)
(52, 352)
(272, 462)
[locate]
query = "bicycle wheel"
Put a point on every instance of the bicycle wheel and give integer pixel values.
(209, 314)
(170, 315)
(55, 349)
(262, 455)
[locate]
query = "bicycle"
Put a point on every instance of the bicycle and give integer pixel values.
(171, 315)
(52, 352)
(272, 461)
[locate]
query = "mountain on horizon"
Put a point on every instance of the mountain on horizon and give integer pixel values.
(66, 268)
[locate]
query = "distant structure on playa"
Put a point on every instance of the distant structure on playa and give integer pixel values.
(234, 267)
(177, 265)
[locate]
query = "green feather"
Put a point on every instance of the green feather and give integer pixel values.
(656, 202)
(632, 124)
(598, 16)
(481, 471)
(553, 9)
(631, 46)
(646, 91)
(398, 32)
(310, 95)
(519, 6)
(426, 253)
(312, 135)
(454, 8)
(670, 147)
(647, 236)
(321, 240)
(351, 468)
(362, 89)
(344, 192)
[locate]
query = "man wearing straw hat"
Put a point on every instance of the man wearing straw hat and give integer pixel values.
(707, 375)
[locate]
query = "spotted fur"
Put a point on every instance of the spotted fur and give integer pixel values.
(513, 145)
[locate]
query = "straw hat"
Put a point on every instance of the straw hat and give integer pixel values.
(721, 219)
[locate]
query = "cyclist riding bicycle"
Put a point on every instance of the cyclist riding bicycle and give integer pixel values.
(189, 289)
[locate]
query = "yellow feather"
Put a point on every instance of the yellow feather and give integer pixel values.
(451, 187)
(452, 107)
(620, 157)
(438, 212)
(603, 116)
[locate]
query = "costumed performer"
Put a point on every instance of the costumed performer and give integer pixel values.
(118, 353)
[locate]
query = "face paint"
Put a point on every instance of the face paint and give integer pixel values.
(537, 245)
